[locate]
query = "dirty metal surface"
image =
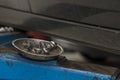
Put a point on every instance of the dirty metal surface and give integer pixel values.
(88, 67)
(62, 68)
(4, 49)
(15, 65)
(74, 64)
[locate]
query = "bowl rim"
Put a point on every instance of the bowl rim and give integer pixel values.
(38, 55)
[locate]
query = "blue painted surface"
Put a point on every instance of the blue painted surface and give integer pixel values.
(7, 38)
(15, 67)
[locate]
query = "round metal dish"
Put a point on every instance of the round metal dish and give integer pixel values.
(18, 43)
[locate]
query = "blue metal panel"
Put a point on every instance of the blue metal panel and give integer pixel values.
(14, 67)
(6, 38)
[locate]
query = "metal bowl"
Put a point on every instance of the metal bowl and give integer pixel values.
(19, 44)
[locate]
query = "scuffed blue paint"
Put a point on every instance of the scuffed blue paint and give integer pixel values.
(14, 67)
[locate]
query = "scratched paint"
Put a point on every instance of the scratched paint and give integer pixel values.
(24, 69)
